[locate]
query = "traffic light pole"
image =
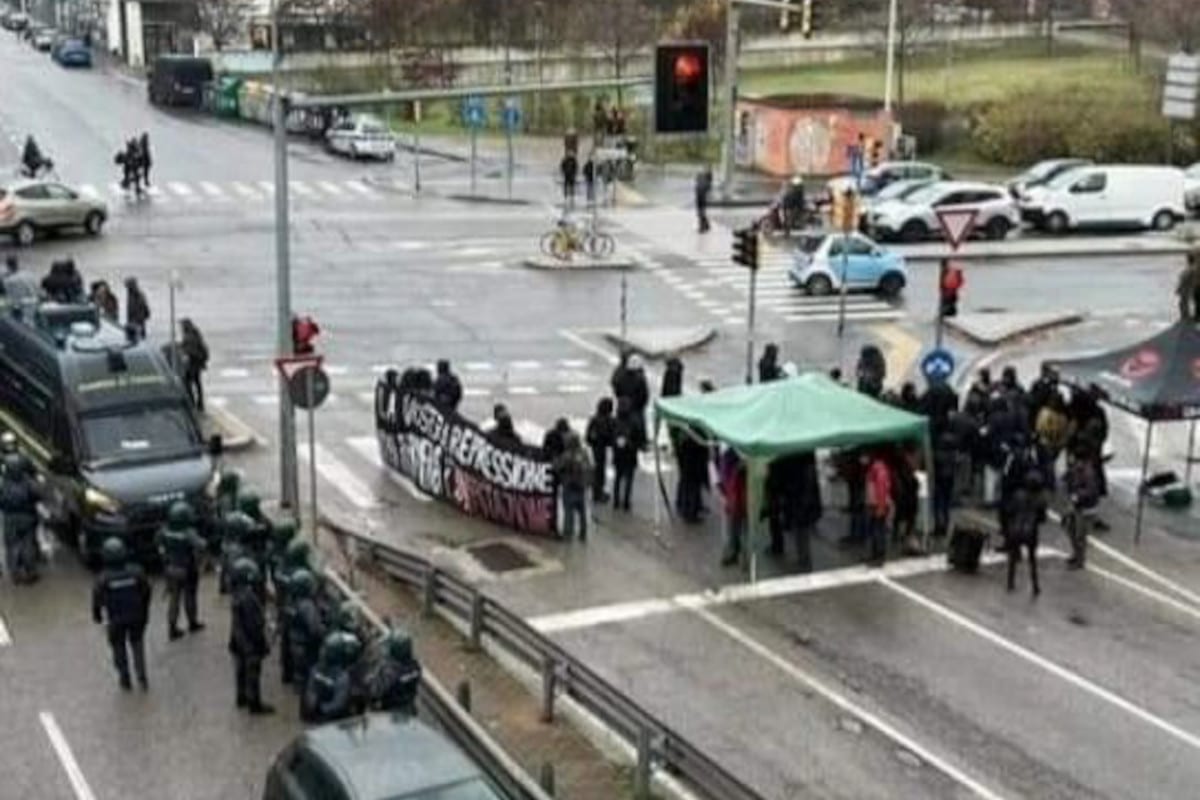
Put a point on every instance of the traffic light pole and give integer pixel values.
(750, 326)
(289, 488)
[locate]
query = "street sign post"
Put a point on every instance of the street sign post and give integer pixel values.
(308, 387)
(957, 224)
(512, 121)
(474, 116)
(1179, 94)
(938, 365)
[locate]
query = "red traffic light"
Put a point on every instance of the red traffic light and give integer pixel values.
(687, 68)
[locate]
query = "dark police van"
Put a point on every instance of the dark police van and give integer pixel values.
(178, 80)
(105, 419)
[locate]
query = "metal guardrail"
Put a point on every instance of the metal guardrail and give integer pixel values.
(437, 705)
(655, 743)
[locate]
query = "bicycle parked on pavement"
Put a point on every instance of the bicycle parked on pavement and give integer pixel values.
(569, 238)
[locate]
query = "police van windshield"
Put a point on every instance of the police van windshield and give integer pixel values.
(138, 434)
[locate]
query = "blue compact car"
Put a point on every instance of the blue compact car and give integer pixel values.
(73, 53)
(818, 265)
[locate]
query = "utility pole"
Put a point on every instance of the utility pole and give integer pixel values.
(890, 71)
(730, 120)
(289, 488)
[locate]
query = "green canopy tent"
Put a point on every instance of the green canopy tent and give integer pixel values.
(762, 422)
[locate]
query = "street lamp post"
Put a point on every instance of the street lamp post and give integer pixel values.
(890, 70)
(289, 489)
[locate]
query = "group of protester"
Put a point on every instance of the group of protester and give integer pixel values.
(327, 652)
(135, 162)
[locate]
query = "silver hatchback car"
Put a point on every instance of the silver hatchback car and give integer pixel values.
(32, 207)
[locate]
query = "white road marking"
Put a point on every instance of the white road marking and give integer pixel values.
(744, 592)
(217, 402)
(330, 188)
(5, 638)
(476, 391)
(337, 369)
(361, 189)
(522, 390)
(1165, 599)
(478, 366)
(850, 315)
(573, 363)
(1135, 565)
(411, 245)
(65, 757)
(212, 190)
(379, 369)
(235, 372)
(181, 189)
(265, 399)
(850, 707)
(572, 388)
(1023, 653)
(368, 448)
(594, 349)
(367, 397)
(268, 187)
(302, 189)
(246, 191)
(340, 476)
(157, 194)
(525, 364)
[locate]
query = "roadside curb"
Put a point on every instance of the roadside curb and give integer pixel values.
(1091, 251)
(551, 264)
(236, 436)
(488, 200)
(1003, 337)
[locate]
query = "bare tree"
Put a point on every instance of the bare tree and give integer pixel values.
(224, 20)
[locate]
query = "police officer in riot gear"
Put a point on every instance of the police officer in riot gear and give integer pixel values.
(305, 628)
(328, 693)
(393, 682)
(248, 636)
(258, 534)
(235, 531)
(282, 534)
(121, 596)
(296, 556)
(181, 547)
(18, 501)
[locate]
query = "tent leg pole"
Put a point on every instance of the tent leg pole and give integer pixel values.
(927, 447)
(1187, 467)
(1141, 490)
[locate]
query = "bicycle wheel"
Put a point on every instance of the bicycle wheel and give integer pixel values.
(600, 245)
(548, 243)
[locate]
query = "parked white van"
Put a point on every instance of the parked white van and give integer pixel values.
(1107, 196)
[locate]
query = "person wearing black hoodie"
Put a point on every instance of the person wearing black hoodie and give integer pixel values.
(600, 434)
(629, 437)
(768, 366)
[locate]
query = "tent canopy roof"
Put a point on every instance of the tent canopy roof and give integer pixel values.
(1157, 378)
(794, 415)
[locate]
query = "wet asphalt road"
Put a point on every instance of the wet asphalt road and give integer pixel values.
(853, 691)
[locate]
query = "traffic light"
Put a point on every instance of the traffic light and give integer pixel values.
(875, 152)
(745, 247)
(844, 214)
(304, 334)
(950, 281)
(681, 88)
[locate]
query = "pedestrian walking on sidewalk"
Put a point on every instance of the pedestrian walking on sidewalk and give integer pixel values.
(629, 437)
(732, 478)
(601, 431)
(137, 308)
(703, 187)
(878, 507)
(194, 355)
(573, 468)
(1083, 492)
(569, 167)
(1188, 287)
(589, 180)
(144, 161)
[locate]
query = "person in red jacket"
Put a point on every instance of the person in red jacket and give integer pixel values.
(879, 507)
(733, 490)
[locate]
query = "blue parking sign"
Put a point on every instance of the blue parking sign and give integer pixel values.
(474, 112)
(937, 365)
(512, 114)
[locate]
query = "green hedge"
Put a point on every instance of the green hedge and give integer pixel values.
(1102, 122)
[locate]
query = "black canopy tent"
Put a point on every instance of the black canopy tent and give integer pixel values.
(1157, 379)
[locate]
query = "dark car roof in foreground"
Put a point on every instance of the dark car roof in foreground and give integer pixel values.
(389, 755)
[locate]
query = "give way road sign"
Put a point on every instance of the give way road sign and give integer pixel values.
(956, 224)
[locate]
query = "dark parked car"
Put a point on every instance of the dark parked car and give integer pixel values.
(73, 53)
(375, 757)
(177, 80)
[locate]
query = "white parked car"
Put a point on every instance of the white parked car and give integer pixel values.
(1108, 196)
(877, 178)
(1191, 188)
(361, 136)
(915, 218)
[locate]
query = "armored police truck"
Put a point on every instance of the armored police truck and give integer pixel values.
(103, 416)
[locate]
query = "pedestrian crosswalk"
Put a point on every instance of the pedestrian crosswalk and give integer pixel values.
(776, 291)
(206, 192)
